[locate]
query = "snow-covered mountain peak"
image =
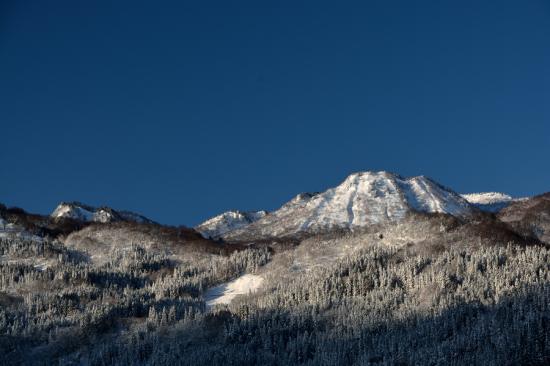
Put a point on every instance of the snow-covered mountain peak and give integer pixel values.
(370, 174)
(490, 201)
(217, 226)
(361, 199)
(83, 212)
(74, 210)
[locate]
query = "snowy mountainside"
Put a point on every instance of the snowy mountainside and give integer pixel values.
(228, 221)
(86, 213)
(490, 201)
(362, 199)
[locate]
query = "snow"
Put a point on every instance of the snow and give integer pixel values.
(102, 216)
(82, 212)
(425, 195)
(228, 221)
(487, 197)
(362, 199)
(225, 293)
(490, 201)
(73, 211)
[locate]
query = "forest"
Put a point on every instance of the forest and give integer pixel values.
(474, 305)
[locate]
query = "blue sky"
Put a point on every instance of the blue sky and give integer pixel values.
(181, 110)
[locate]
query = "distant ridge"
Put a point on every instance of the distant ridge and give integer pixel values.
(86, 213)
(490, 201)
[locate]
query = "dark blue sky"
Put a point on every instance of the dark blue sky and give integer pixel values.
(181, 110)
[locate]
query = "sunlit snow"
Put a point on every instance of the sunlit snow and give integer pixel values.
(490, 201)
(225, 293)
(362, 199)
(228, 221)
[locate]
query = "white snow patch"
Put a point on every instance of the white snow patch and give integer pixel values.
(225, 293)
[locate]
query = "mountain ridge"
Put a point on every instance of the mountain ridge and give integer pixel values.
(363, 198)
(491, 201)
(82, 212)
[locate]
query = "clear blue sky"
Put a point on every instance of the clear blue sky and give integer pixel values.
(181, 110)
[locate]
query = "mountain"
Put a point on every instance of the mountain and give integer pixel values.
(228, 221)
(82, 212)
(362, 199)
(490, 201)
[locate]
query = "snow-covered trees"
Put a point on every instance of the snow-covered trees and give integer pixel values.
(378, 306)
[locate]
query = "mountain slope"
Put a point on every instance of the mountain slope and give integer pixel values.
(362, 199)
(101, 241)
(228, 221)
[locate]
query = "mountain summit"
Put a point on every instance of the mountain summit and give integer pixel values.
(82, 212)
(361, 199)
(228, 221)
